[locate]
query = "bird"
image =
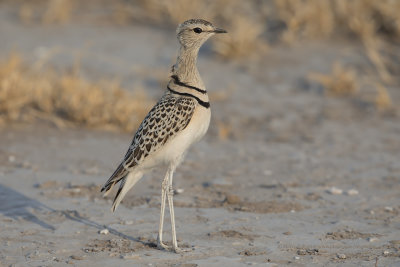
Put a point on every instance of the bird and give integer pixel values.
(179, 119)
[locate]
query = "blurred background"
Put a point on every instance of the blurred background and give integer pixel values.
(300, 164)
(74, 63)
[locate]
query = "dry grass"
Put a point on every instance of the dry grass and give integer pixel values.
(46, 11)
(382, 99)
(305, 19)
(225, 130)
(344, 81)
(58, 11)
(244, 31)
(243, 39)
(364, 19)
(341, 82)
(245, 26)
(28, 95)
(374, 23)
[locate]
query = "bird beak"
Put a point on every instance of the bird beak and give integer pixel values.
(218, 30)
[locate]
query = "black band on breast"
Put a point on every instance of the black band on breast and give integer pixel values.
(177, 81)
(201, 102)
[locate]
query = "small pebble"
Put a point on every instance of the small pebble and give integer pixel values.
(267, 172)
(11, 158)
(26, 164)
(128, 222)
(76, 190)
(92, 170)
(131, 257)
(287, 233)
(341, 256)
(352, 192)
(221, 181)
(301, 252)
(179, 191)
(335, 191)
(313, 251)
(232, 199)
(296, 257)
(372, 239)
(47, 184)
(386, 252)
(104, 232)
(388, 208)
(76, 257)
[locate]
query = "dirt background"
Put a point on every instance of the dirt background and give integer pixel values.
(286, 175)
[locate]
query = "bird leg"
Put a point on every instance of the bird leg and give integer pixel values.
(170, 195)
(167, 191)
(164, 188)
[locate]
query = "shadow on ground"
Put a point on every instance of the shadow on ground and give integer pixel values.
(17, 206)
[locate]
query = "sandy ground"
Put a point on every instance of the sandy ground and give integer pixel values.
(301, 178)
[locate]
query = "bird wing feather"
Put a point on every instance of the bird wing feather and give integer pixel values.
(167, 118)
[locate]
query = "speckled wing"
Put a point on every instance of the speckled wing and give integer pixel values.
(168, 117)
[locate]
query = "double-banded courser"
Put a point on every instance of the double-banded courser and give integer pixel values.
(179, 119)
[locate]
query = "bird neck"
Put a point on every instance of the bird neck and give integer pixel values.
(185, 78)
(186, 66)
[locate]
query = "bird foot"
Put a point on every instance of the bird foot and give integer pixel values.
(162, 246)
(178, 250)
(181, 250)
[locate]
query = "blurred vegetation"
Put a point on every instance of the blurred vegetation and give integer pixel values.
(37, 93)
(254, 28)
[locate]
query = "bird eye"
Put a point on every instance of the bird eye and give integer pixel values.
(197, 30)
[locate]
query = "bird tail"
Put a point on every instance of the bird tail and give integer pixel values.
(127, 183)
(117, 176)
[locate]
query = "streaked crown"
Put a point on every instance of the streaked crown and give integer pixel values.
(194, 32)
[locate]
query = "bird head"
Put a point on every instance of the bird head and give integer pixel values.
(194, 32)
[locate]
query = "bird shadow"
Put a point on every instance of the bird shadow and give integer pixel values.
(73, 215)
(17, 206)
